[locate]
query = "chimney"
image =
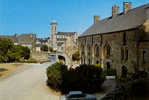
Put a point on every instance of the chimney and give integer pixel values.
(126, 7)
(115, 10)
(96, 18)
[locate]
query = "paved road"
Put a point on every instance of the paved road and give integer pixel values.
(29, 84)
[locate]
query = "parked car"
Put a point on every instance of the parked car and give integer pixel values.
(77, 95)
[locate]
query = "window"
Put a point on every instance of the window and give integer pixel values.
(126, 54)
(108, 50)
(89, 51)
(143, 54)
(122, 53)
(124, 38)
(96, 51)
(89, 61)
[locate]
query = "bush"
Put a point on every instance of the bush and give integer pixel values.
(110, 72)
(44, 48)
(86, 78)
(76, 56)
(139, 74)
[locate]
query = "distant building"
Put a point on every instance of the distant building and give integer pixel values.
(27, 40)
(118, 41)
(40, 42)
(58, 39)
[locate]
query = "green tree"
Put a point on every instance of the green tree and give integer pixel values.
(10, 52)
(26, 52)
(5, 46)
(51, 49)
(76, 56)
(44, 48)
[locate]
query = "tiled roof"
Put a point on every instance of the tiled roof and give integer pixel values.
(132, 19)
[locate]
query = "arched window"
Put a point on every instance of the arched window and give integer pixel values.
(108, 50)
(97, 51)
(122, 53)
(143, 56)
(124, 38)
(126, 54)
(83, 51)
(89, 51)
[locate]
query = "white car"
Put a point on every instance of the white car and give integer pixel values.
(77, 95)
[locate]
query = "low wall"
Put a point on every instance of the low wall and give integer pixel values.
(41, 56)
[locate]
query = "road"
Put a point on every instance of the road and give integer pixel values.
(29, 84)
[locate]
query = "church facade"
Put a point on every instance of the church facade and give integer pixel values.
(119, 40)
(58, 40)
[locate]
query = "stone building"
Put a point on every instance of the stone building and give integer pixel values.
(40, 42)
(119, 40)
(28, 40)
(58, 39)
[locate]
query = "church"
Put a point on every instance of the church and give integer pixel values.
(58, 40)
(119, 40)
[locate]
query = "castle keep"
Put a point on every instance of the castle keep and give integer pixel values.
(119, 40)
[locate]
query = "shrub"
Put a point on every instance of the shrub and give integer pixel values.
(44, 48)
(87, 78)
(110, 72)
(76, 56)
(139, 74)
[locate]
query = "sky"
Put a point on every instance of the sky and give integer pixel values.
(34, 16)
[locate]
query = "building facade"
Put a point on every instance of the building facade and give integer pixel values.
(119, 40)
(58, 39)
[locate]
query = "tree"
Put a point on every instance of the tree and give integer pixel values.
(44, 48)
(26, 52)
(51, 49)
(10, 52)
(76, 56)
(5, 46)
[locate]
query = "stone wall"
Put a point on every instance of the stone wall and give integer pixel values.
(115, 42)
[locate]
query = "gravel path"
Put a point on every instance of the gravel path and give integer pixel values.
(29, 84)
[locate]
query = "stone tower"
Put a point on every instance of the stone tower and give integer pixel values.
(53, 32)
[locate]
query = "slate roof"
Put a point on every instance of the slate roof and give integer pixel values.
(26, 38)
(65, 33)
(132, 19)
(13, 38)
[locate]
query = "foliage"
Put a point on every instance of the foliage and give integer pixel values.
(44, 48)
(87, 78)
(76, 56)
(51, 49)
(139, 74)
(10, 52)
(110, 72)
